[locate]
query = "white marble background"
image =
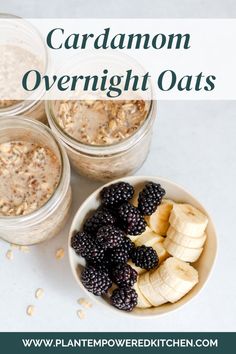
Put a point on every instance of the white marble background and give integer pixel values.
(194, 144)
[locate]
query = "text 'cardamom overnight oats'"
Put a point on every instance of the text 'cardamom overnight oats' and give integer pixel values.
(104, 139)
(29, 175)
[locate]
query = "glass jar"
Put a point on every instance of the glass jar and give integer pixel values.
(49, 219)
(106, 162)
(15, 31)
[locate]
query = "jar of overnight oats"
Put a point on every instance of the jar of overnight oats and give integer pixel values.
(17, 57)
(35, 193)
(104, 139)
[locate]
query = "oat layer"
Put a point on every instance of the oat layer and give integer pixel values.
(29, 175)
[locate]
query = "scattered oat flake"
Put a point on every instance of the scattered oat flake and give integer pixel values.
(14, 246)
(39, 293)
(85, 303)
(60, 253)
(30, 310)
(81, 314)
(9, 254)
(24, 249)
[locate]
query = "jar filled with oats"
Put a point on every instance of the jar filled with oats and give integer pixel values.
(22, 48)
(104, 139)
(35, 193)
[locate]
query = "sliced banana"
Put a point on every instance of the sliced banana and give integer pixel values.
(188, 220)
(138, 269)
(165, 290)
(179, 275)
(134, 200)
(161, 251)
(133, 238)
(184, 253)
(186, 241)
(158, 225)
(158, 221)
(142, 301)
(164, 209)
(145, 286)
(149, 238)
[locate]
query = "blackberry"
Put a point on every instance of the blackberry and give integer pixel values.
(150, 197)
(87, 247)
(127, 245)
(110, 236)
(103, 266)
(101, 217)
(116, 194)
(95, 281)
(118, 255)
(124, 298)
(145, 257)
(95, 253)
(81, 242)
(131, 220)
(124, 275)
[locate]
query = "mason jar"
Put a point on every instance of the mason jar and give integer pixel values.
(106, 162)
(16, 32)
(46, 221)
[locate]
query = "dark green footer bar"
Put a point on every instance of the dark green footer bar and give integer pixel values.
(210, 342)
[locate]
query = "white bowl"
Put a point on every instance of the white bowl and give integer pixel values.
(204, 264)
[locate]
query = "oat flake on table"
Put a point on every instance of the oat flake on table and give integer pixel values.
(81, 314)
(39, 293)
(60, 253)
(30, 310)
(9, 255)
(85, 303)
(24, 249)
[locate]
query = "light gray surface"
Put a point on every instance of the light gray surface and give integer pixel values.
(194, 145)
(120, 8)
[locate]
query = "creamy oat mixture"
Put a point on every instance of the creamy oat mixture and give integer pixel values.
(8, 103)
(29, 175)
(15, 61)
(101, 122)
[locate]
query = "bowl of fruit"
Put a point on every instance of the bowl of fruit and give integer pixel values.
(142, 245)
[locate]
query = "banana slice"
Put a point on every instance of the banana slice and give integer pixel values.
(142, 301)
(159, 220)
(184, 253)
(166, 291)
(158, 225)
(147, 235)
(161, 251)
(188, 220)
(133, 238)
(134, 200)
(164, 209)
(186, 241)
(145, 286)
(149, 238)
(162, 227)
(179, 275)
(138, 269)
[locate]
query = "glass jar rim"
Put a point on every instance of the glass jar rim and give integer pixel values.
(23, 105)
(94, 150)
(47, 208)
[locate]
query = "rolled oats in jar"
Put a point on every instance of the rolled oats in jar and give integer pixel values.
(104, 139)
(35, 193)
